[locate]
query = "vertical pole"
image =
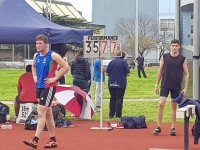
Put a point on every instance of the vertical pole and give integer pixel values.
(24, 51)
(136, 28)
(186, 132)
(92, 75)
(50, 11)
(196, 51)
(47, 9)
(177, 18)
(28, 53)
(101, 115)
(13, 53)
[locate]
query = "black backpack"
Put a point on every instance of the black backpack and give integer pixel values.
(32, 120)
(4, 110)
(59, 113)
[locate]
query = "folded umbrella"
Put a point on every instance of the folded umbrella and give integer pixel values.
(75, 100)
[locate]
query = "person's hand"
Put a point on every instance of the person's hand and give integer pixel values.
(144, 66)
(35, 79)
(88, 82)
(184, 92)
(49, 80)
(156, 90)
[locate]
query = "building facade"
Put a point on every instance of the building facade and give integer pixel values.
(186, 29)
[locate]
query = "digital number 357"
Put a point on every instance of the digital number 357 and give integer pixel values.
(95, 46)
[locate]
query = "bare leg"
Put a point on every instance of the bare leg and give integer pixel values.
(16, 107)
(42, 110)
(50, 122)
(161, 106)
(174, 107)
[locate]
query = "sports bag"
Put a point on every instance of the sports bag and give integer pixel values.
(59, 113)
(4, 110)
(31, 121)
(134, 122)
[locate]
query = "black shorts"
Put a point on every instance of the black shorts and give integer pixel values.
(46, 95)
(173, 92)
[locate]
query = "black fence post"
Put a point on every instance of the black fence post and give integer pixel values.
(186, 132)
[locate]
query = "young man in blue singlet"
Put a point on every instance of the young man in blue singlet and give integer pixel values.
(43, 70)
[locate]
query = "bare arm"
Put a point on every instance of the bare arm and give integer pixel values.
(34, 69)
(159, 75)
(186, 75)
(64, 65)
(135, 62)
(144, 65)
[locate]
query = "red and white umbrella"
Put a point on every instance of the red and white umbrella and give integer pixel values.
(75, 100)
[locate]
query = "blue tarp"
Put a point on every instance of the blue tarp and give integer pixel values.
(20, 24)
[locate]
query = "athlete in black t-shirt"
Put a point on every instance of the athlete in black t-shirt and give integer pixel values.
(172, 67)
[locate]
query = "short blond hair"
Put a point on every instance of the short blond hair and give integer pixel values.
(121, 53)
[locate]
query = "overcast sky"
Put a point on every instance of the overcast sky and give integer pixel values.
(85, 6)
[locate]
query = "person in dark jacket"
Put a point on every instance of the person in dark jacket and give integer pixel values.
(80, 70)
(139, 61)
(117, 70)
(172, 67)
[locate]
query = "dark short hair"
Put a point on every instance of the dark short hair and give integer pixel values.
(121, 53)
(29, 68)
(140, 53)
(80, 54)
(42, 37)
(175, 41)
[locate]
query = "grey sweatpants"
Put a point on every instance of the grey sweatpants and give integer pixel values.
(98, 93)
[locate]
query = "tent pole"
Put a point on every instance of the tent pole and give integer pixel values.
(28, 52)
(50, 11)
(13, 53)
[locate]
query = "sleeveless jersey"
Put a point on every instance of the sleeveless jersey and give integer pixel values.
(172, 72)
(45, 68)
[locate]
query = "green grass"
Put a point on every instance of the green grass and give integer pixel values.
(136, 89)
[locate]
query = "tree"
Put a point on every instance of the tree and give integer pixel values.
(164, 42)
(147, 34)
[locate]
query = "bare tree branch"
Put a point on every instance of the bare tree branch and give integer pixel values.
(147, 32)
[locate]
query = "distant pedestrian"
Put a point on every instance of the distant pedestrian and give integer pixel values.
(140, 63)
(117, 70)
(172, 67)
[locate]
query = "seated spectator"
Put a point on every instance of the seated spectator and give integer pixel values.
(26, 90)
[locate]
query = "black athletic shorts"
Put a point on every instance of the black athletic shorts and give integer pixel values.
(165, 92)
(46, 95)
